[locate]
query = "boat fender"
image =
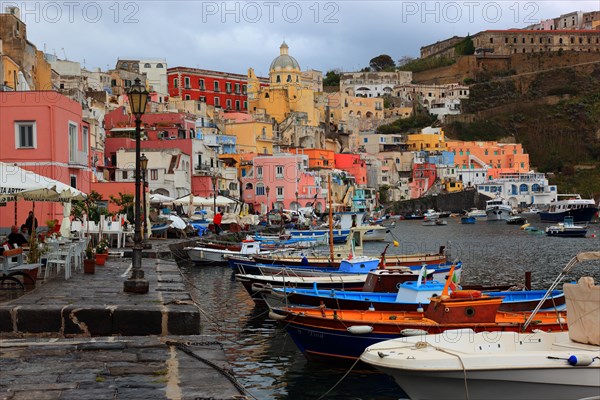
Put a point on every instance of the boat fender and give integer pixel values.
(465, 294)
(360, 329)
(413, 332)
(581, 360)
(275, 316)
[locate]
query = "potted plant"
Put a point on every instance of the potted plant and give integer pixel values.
(89, 264)
(101, 252)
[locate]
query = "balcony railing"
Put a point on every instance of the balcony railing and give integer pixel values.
(78, 158)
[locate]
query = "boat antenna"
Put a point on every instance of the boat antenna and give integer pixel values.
(587, 256)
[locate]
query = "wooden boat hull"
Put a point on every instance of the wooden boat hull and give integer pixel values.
(390, 260)
(329, 335)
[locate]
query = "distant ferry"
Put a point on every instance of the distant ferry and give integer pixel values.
(582, 210)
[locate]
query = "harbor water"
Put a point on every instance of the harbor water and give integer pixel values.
(269, 365)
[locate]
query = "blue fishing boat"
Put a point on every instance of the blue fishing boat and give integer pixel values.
(409, 297)
(468, 220)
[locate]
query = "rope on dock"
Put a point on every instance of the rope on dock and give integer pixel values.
(184, 348)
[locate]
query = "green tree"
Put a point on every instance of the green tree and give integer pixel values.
(90, 207)
(382, 62)
(465, 47)
(332, 78)
(125, 201)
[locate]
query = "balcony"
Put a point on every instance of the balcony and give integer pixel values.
(78, 158)
(264, 138)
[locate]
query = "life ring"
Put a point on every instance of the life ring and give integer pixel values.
(465, 294)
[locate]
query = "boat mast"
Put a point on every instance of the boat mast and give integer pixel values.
(331, 257)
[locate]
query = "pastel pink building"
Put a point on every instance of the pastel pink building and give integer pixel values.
(506, 156)
(353, 164)
(44, 132)
(423, 177)
(282, 182)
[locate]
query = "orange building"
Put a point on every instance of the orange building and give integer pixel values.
(317, 158)
(492, 155)
(354, 165)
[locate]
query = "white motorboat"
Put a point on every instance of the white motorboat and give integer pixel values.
(217, 252)
(376, 233)
(431, 214)
(461, 364)
(474, 212)
(497, 209)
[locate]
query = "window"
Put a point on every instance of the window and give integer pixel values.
(201, 84)
(147, 65)
(73, 181)
(216, 86)
(237, 105)
(245, 105)
(124, 175)
(279, 171)
(186, 81)
(366, 140)
(159, 65)
(25, 135)
(175, 83)
(279, 191)
(203, 99)
(188, 97)
(244, 88)
(259, 172)
(492, 40)
(278, 80)
(260, 189)
(217, 102)
(85, 139)
(72, 141)
(228, 87)
(289, 78)
(153, 174)
(228, 104)
(237, 87)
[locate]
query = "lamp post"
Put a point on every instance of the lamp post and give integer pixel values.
(297, 204)
(144, 168)
(136, 283)
(268, 189)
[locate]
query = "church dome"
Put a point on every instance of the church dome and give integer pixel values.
(284, 61)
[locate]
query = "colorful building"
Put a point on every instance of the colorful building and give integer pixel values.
(219, 89)
(423, 178)
(252, 136)
(282, 181)
(317, 158)
(44, 132)
(430, 139)
(353, 164)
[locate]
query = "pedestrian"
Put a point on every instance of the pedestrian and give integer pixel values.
(217, 222)
(31, 223)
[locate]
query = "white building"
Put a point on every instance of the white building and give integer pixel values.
(168, 170)
(156, 74)
(373, 84)
(522, 189)
(440, 100)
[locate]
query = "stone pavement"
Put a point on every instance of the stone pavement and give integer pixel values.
(96, 305)
(85, 338)
(132, 368)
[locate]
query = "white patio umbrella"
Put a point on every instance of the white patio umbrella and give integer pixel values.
(204, 201)
(65, 226)
(156, 198)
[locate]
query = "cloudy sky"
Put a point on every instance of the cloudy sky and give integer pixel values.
(232, 36)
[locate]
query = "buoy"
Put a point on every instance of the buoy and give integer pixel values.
(580, 359)
(524, 226)
(396, 244)
(360, 329)
(413, 332)
(371, 308)
(275, 316)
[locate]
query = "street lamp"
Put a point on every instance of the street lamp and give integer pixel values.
(268, 189)
(144, 168)
(297, 204)
(136, 283)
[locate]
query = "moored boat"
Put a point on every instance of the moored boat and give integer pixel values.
(537, 365)
(497, 209)
(468, 220)
(216, 252)
(571, 205)
(566, 229)
(474, 212)
(516, 220)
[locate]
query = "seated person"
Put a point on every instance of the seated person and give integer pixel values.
(15, 237)
(25, 232)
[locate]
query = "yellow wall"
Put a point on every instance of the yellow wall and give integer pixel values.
(250, 136)
(11, 69)
(43, 72)
(426, 141)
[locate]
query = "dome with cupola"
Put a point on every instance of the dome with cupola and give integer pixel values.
(284, 61)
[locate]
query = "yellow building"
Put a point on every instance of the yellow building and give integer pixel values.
(11, 71)
(430, 139)
(252, 136)
(42, 73)
(289, 101)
